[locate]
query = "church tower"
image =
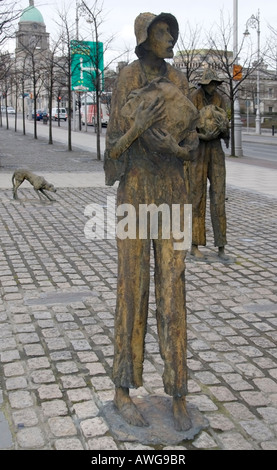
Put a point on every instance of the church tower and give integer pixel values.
(31, 53)
(31, 32)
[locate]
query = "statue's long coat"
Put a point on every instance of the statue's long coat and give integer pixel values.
(209, 165)
(147, 177)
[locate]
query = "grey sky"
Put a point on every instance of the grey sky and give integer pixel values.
(119, 15)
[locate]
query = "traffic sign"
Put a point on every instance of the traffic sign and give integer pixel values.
(87, 64)
(237, 72)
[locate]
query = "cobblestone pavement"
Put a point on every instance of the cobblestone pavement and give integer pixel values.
(19, 151)
(58, 293)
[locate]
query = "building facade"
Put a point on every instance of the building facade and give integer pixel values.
(31, 53)
(31, 32)
(268, 93)
(193, 63)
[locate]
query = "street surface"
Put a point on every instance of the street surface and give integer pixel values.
(260, 147)
(58, 296)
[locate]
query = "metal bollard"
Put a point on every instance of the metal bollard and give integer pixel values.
(273, 130)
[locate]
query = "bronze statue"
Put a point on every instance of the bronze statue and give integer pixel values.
(209, 164)
(151, 133)
(39, 183)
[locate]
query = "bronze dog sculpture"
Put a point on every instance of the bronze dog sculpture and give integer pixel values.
(39, 184)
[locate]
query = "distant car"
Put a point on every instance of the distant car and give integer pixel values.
(10, 110)
(3, 109)
(59, 113)
(39, 114)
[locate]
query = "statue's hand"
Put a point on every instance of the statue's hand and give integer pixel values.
(227, 140)
(146, 117)
(209, 135)
(160, 141)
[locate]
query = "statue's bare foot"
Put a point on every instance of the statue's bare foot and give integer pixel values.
(222, 255)
(196, 252)
(182, 420)
(127, 408)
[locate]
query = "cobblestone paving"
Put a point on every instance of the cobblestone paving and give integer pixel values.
(58, 293)
(23, 151)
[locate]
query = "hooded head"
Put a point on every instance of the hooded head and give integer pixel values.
(209, 75)
(143, 23)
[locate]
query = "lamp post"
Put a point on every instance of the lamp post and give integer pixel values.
(237, 117)
(254, 22)
(75, 91)
(77, 19)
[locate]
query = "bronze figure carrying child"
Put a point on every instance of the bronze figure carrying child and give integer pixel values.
(150, 136)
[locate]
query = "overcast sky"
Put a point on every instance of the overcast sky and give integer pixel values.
(119, 15)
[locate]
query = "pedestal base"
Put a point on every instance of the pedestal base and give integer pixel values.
(158, 413)
(211, 258)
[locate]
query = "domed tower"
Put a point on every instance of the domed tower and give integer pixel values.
(31, 32)
(31, 53)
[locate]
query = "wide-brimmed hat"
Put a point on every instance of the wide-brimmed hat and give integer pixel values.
(209, 75)
(145, 20)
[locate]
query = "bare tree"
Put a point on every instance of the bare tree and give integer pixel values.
(63, 62)
(6, 67)
(8, 15)
(221, 59)
(22, 78)
(51, 78)
(34, 65)
(190, 55)
(271, 53)
(94, 17)
(15, 87)
(71, 39)
(95, 14)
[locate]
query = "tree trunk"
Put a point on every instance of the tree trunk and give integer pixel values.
(232, 128)
(69, 143)
(50, 137)
(99, 124)
(23, 108)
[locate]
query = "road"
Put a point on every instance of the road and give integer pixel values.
(55, 124)
(258, 147)
(260, 150)
(85, 140)
(262, 147)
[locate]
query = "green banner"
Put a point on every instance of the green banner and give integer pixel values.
(87, 65)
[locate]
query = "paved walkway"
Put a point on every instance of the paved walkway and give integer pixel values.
(58, 293)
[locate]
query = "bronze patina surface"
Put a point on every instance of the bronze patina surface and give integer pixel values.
(209, 165)
(149, 143)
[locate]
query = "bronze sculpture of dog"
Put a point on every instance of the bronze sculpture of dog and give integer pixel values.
(39, 184)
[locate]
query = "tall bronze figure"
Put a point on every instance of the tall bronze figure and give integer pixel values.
(151, 133)
(209, 165)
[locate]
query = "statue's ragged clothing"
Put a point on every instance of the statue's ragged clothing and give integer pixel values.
(209, 165)
(147, 177)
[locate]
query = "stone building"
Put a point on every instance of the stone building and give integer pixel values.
(268, 93)
(192, 63)
(31, 52)
(31, 32)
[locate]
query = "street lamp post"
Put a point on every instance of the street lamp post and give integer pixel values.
(237, 118)
(254, 22)
(77, 19)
